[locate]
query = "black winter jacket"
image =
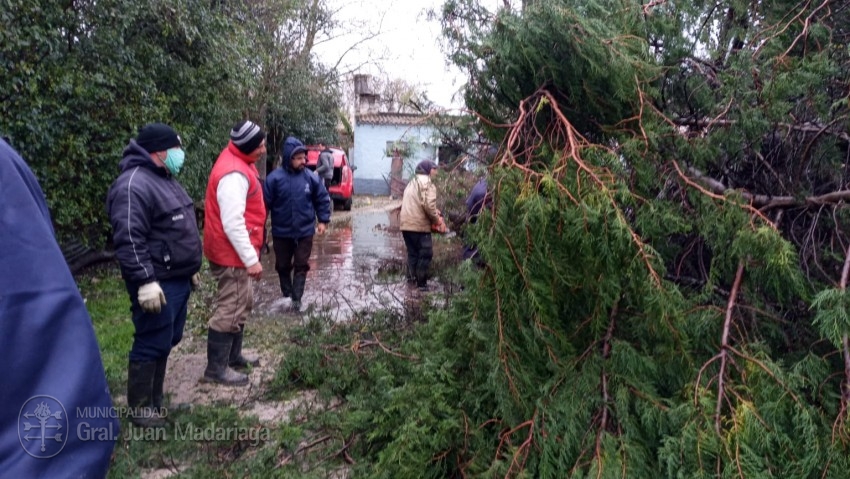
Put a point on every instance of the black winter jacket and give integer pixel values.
(153, 221)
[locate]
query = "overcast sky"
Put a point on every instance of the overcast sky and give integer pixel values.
(407, 46)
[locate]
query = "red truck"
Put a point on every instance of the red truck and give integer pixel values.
(342, 183)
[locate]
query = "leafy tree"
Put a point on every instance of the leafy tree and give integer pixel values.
(306, 105)
(296, 95)
(80, 78)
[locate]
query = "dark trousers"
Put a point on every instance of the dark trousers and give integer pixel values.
(156, 333)
(419, 254)
(291, 254)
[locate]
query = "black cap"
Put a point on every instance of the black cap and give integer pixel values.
(157, 137)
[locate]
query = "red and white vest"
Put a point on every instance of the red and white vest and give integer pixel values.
(217, 247)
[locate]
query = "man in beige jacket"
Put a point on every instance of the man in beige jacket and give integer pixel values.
(418, 213)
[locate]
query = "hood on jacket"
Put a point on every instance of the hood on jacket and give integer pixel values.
(291, 146)
(134, 155)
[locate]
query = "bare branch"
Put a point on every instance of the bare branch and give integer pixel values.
(765, 202)
(717, 196)
(654, 3)
(807, 127)
(724, 344)
(845, 343)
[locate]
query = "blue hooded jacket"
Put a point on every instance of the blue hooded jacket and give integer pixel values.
(295, 198)
(476, 200)
(57, 419)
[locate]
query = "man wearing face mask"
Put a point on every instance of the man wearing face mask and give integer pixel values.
(158, 247)
(235, 218)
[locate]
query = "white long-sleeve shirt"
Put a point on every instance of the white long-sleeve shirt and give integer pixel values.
(232, 194)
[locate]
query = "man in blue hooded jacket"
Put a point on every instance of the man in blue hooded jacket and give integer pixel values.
(53, 384)
(295, 196)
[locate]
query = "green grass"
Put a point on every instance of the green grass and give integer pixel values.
(244, 448)
(243, 454)
(109, 305)
(204, 441)
(316, 354)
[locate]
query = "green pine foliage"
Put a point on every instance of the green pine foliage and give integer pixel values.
(664, 289)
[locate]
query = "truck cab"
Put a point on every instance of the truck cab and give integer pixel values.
(341, 188)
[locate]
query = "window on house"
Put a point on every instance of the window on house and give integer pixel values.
(403, 148)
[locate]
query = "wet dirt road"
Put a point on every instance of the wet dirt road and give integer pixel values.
(355, 266)
(343, 279)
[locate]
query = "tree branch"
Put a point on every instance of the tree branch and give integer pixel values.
(764, 202)
(845, 341)
(724, 344)
(807, 127)
(606, 397)
(712, 184)
(649, 6)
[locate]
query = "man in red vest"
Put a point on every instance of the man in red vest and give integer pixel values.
(235, 216)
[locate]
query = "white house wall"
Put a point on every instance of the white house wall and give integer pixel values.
(369, 154)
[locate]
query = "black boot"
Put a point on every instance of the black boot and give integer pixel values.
(218, 355)
(158, 381)
(298, 290)
(237, 359)
(411, 272)
(285, 284)
(140, 377)
(422, 278)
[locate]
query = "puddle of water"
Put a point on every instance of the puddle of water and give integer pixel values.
(163, 473)
(346, 268)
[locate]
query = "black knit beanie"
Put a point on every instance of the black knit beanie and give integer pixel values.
(157, 137)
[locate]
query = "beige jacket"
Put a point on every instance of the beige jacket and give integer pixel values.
(419, 205)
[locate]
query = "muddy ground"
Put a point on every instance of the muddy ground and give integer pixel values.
(355, 266)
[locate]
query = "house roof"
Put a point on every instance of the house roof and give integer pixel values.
(391, 119)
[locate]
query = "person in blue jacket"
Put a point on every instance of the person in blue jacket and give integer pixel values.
(158, 247)
(53, 381)
(295, 196)
(477, 200)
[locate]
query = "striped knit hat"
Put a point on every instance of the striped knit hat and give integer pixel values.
(247, 136)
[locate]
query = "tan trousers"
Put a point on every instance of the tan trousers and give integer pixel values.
(234, 299)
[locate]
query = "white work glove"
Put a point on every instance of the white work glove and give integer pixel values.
(196, 281)
(151, 297)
